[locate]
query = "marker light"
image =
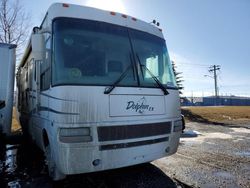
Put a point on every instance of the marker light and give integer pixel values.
(124, 16)
(65, 5)
(134, 19)
(178, 125)
(113, 13)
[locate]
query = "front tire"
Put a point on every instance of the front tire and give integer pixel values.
(54, 172)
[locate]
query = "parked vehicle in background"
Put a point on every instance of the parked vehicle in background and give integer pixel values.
(96, 91)
(7, 75)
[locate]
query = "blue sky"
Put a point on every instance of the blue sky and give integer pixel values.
(199, 33)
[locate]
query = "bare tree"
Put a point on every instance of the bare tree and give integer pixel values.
(14, 23)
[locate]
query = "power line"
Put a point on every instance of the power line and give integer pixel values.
(193, 64)
(236, 85)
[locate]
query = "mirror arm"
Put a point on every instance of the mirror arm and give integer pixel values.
(38, 30)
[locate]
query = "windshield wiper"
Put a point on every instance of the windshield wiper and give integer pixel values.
(110, 88)
(153, 76)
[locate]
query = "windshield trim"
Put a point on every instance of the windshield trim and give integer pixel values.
(101, 85)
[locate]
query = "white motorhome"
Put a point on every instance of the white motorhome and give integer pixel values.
(7, 75)
(97, 91)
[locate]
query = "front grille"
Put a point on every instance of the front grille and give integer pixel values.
(132, 144)
(109, 133)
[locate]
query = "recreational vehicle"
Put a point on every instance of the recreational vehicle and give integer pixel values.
(7, 75)
(97, 91)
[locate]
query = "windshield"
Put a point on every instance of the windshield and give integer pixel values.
(96, 53)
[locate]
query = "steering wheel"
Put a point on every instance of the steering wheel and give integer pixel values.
(75, 73)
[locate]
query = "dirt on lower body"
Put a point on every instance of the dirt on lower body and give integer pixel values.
(22, 165)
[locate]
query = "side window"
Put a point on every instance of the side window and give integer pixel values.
(45, 66)
(26, 73)
(30, 72)
(34, 77)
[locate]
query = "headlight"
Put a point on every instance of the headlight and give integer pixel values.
(74, 135)
(178, 125)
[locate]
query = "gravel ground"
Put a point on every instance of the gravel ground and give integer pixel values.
(211, 156)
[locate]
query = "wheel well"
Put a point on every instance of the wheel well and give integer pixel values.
(45, 138)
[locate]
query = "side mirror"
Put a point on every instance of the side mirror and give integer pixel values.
(38, 46)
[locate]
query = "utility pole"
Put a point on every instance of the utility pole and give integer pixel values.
(213, 69)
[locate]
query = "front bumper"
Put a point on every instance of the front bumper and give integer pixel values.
(77, 158)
